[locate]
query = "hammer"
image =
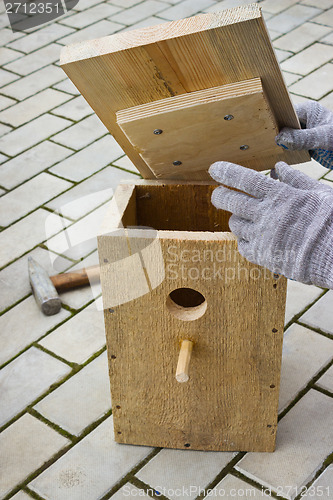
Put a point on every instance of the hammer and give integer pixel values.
(46, 288)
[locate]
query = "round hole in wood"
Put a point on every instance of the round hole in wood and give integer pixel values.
(187, 445)
(186, 304)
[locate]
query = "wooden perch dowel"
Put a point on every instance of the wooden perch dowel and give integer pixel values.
(184, 361)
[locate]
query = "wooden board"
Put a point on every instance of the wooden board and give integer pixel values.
(221, 112)
(209, 50)
(230, 401)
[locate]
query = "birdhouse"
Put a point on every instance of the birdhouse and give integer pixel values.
(194, 331)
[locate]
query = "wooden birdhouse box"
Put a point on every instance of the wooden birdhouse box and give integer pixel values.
(194, 331)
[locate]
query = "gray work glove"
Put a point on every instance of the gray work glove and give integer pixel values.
(285, 226)
(316, 134)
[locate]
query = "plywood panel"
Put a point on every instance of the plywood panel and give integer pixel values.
(209, 50)
(170, 131)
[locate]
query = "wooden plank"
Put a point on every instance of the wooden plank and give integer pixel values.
(181, 120)
(231, 398)
(209, 50)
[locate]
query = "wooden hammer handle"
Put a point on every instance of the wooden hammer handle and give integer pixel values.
(73, 279)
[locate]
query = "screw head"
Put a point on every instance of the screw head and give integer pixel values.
(244, 147)
(229, 117)
(177, 163)
(158, 131)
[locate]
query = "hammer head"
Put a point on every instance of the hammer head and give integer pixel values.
(44, 291)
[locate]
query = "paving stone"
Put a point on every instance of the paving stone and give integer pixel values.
(328, 176)
(32, 133)
(322, 4)
(89, 160)
(21, 496)
(80, 238)
(149, 21)
(126, 164)
(36, 60)
(26, 378)
(322, 487)
(124, 3)
(67, 86)
(31, 194)
(328, 101)
(329, 37)
(85, 4)
(128, 491)
(79, 297)
(275, 7)
(309, 59)
(301, 37)
(31, 84)
(14, 279)
(24, 453)
(304, 440)
(233, 487)
(320, 314)
(226, 4)
(7, 77)
(79, 338)
(299, 296)
(315, 85)
(5, 102)
(90, 16)
(4, 129)
(91, 468)
(290, 78)
(40, 38)
(325, 18)
(76, 109)
(291, 18)
(282, 55)
(301, 344)
(7, 36)
(31, 162)
(80, 401)
(28, 233)
(97, 30)
(91, 193)
(326, 381)
(8, 55)
(311, 168)
(297, 99)
(186, 8)
(138, 12)
(32, 107)
(177, 469)
(82, 133)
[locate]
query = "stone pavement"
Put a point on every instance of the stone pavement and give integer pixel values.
(59, 169)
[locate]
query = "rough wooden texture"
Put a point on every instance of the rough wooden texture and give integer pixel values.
(209, 50)
(181, 120)
(231, 398)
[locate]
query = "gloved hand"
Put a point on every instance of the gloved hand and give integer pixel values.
(284, 226)
(316, 134)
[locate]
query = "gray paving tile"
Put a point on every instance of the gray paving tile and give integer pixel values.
(29, 85)
(89, 194)
(320, 314)
(32, 133)
(32, 107)
(275, 7)
(304, 440)
(309, 59)
(7, 55)
(36, 60)
(322, 487)
(315, 85)
(186, 8)
(301, 37)
(75, 109)
(301, 344)
(325, 18)
(233, 487)
(28, 233)
(79, 338)
(5, 102)
(90, 16)
(292, 17)
(138, 12)
(40, 38)
(38, 158)
(31, 194)
(82, 133)
(172, 470)
(7, 77)
(299, 296)
(128, 491)
(16, 335)
(21, 496)
(89, 160)
(80, 401)
(67, 86)
(26, 378)
(326, 381)
(126, 164)
(97, 30)
(91, 468)
(14, 279)
(24, 453)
